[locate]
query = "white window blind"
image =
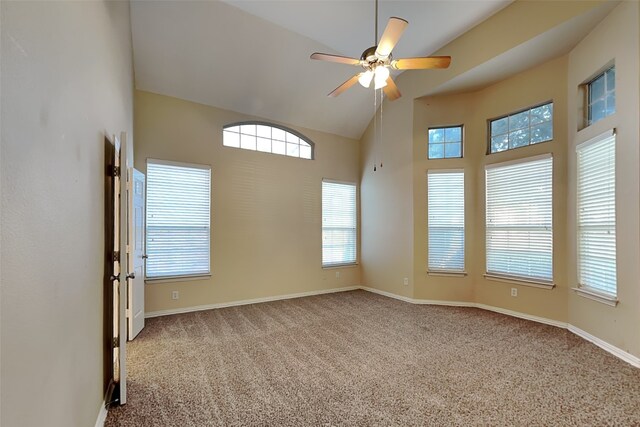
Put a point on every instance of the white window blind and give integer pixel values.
(519, 220)
(178, 219)
(339, 223)
(597, 214)
(445, 207)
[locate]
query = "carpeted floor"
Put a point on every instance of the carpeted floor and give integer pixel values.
(359, 359)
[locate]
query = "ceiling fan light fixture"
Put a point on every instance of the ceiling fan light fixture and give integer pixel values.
(381, 76)
(365, 78)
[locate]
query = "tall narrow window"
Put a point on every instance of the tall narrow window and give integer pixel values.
(597, 214)
(339, 223)
(445, 206)
(602, 95)
(178, 219)
(519, 230)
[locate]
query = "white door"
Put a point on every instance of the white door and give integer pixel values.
(126, 162)
(136, 253)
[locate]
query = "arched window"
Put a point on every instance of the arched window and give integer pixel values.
(268, 138)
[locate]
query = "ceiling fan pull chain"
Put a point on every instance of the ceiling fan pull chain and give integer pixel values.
(381, 105)
(375, 130)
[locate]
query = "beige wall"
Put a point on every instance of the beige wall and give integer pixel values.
(617, 39)
(66, 80)
(266, 209)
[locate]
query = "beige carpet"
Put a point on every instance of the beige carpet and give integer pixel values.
(360, 359)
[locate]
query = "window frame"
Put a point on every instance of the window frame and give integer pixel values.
(589, 103)
(357, 225)
(447, 271)
(461, 126)
(271, 125)
(583, 289)
(523, 280)
(177, 277)
(491, 120)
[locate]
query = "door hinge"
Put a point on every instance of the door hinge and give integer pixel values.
(128, 313)
(115, 342)
(115, 171)
(116, 256)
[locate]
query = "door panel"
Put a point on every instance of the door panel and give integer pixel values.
(135, 308)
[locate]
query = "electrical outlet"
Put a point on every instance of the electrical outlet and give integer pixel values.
(337, 274)
(406, 281)
(514, 292)
(175, 295)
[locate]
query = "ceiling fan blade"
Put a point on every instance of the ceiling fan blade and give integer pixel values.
(391, 91)
(391, 35)
(335, 58)
(344, 86)
(421, 63)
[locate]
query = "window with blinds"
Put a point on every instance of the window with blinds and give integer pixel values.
(597, 214)
(339, 223)
(445, 207)
(178, 219)
(519, 211)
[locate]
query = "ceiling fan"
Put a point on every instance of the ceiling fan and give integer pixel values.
(377, 60)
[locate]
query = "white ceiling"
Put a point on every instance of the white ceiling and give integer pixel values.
(253, 56)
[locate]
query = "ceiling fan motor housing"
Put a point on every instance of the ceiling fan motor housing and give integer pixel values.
(370, 60)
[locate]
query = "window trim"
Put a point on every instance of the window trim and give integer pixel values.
(272, 125)
(450, 272)
(587, 85)
(357, 203)
(461, 126)
(180, 277)
(522, 110)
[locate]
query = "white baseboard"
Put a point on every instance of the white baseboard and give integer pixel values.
(619, 353)
(418, 301)
(468, 304)
(525, 316)
(246, 301)
(102, 415)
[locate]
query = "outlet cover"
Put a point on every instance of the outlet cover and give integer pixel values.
(406, 281)
(175, 295)
(514, 292)
(337, 274)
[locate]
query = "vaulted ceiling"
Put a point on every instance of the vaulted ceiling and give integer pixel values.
(252, 56)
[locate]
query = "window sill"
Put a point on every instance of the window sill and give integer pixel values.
(445, 273)
(518, 281)
(609, 300)
(334, 266)
(177, 279)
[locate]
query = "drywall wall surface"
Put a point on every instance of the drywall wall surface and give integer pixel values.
(615, 39)
(438, 111)
(66, 80)
(386, 200)
(546, 82)
(266, 209)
